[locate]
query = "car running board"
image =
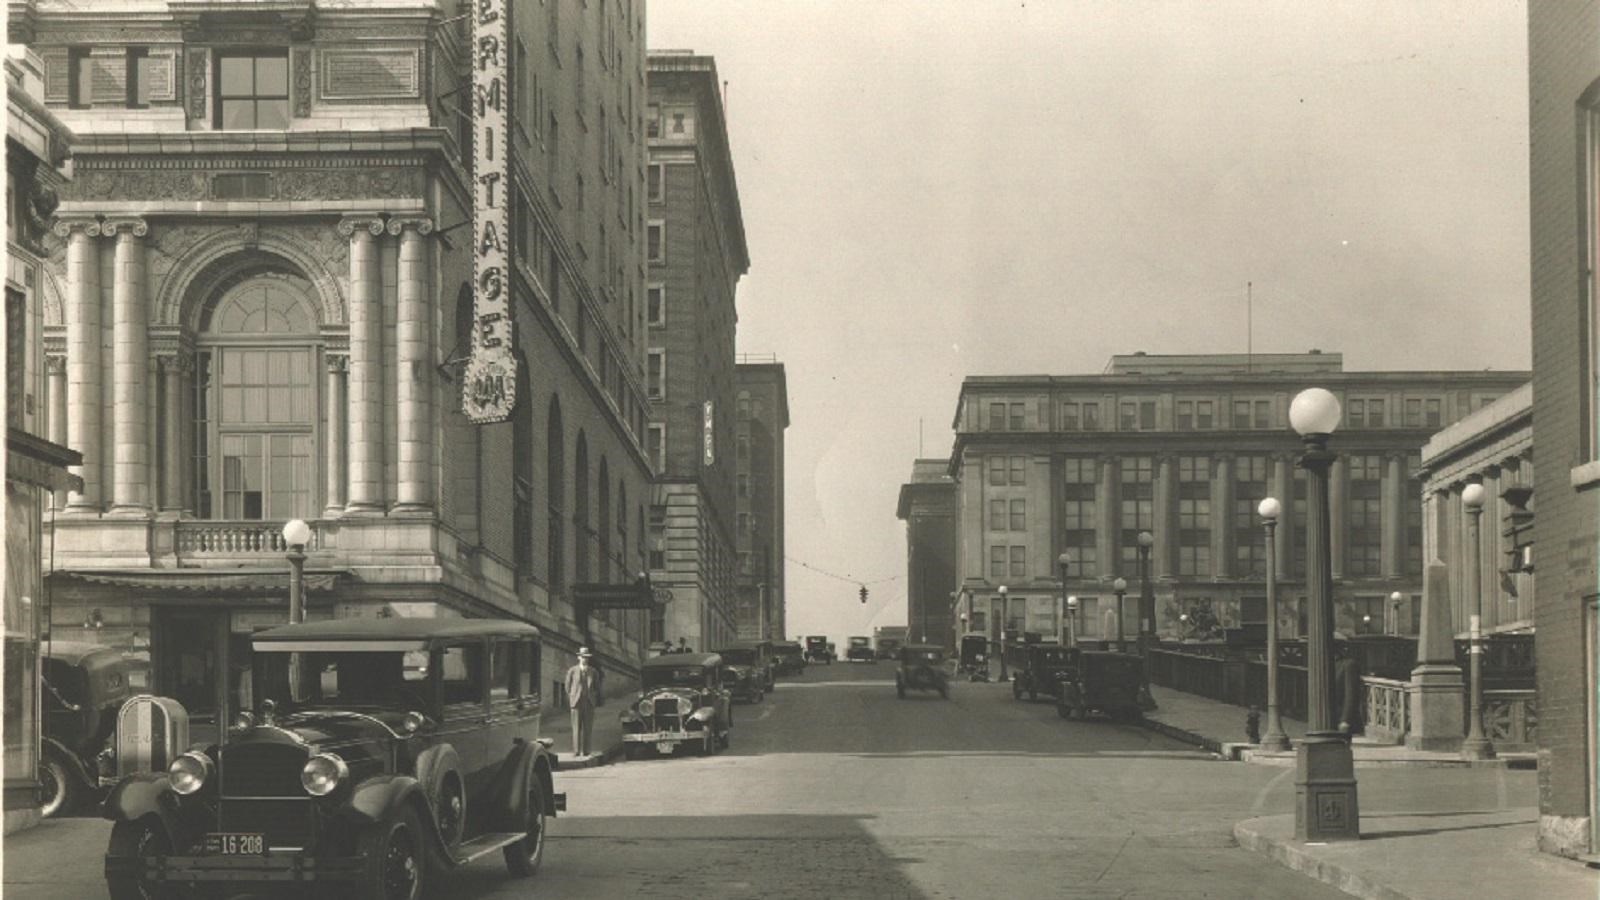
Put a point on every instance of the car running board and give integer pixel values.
(484, 844)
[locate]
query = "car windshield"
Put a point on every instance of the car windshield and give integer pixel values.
(738, 657)
(922, 656)
(859, 642)
(1053, 655)
(675, 676)
(389, 679)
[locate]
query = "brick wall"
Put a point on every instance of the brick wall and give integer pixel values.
(1563, 64)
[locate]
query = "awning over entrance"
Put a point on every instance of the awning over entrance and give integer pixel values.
(200, 581)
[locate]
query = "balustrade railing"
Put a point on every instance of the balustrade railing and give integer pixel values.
(1511, 719)
(1388, 706)
(214, 538)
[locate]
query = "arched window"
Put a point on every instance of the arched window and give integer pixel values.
(580, 508)
(603, 526)
(256, 403)
(556, 493)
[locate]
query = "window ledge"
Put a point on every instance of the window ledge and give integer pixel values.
(1586, 475)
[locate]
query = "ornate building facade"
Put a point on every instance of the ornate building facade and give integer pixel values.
(1184, 448)
(261, 300)
(928, 507)
(761, 421)
(696, 252)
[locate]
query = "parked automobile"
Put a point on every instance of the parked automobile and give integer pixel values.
(1103, 681)
(1040, 672)
(974, 658)
(790, 657)
(819, 649)
(378, 752)
(84, 685)
(860, 650)
(682, 700)
(757, 655)
(888, 648)
(922, 668)
(743, 676)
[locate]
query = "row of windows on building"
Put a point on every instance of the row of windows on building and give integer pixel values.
(1361, 614)
(1136, 508)
(1206, 415)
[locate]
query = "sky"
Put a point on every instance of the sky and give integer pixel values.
(945, 188)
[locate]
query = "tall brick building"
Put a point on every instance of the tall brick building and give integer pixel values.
(260, 301)
(1185, 447)
(928, 506)
(696, 254)
(761, 420)
(1564, 182)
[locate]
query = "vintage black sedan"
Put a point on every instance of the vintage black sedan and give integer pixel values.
(922, 668)
(379, 752)
(682, 700)
(741, 675)
(84, 685)
(819, 650)
(790, 657)
(1104, 681)
(1043, 666)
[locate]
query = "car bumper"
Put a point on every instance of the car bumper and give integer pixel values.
(269, 867)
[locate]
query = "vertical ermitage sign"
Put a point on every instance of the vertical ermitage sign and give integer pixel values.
(489, 393)
(710, 437)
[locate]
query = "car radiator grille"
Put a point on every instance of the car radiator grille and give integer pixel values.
(286, 823)
(262, 770)
(666, 708)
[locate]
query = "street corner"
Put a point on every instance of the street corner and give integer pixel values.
(1273, 836)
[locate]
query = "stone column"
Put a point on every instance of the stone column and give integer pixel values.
(1222, 538)
(84, 375)
(1393, 512)
(338, 407)
(1283, 489)
(130, 354)
(1338, 480)
(414, 368)
(366, 367)
(1105, 504)
(1490, 554)
(56, 385)
(172, 366)
(1166, 516)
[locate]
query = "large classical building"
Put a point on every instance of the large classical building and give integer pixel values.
(762, 418)
(260, 307)
(36, 145)
(696, 255)
(1564, 194)
(1185, 448)
(928, 506)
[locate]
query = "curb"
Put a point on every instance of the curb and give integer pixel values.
(1247, 752)
(1298, 860)
(1181, 734)
(595, 761)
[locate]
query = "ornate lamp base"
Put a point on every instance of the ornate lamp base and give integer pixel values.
(1325, 806)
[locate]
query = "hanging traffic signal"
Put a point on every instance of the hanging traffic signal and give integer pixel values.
(863, 593)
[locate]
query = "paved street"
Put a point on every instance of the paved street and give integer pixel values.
(833, 786)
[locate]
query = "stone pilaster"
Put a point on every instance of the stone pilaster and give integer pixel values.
(413, 367)
(366, 367)
(1166, 518)
(1283, 490)
(130, 341)
(1222, 539)
(1105, 510)
(84, 373)
(1392, 510)
(338, 408)
(173, 369)
(56, 387)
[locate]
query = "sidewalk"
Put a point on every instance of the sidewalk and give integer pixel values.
(605, 744)
(1467, 853)
(1220, 728)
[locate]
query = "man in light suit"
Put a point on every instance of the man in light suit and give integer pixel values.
(583, 690)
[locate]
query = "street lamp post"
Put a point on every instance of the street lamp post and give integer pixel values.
(1394, 612)
(1120, 586)
(1476, 745)
(1000, 623)
(296, 534)
(1063, 561)
(1274, 739)
(1072, 621)
(1147, 594)
(1325, 783)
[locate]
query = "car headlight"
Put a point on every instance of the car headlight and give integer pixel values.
(684, 706)
(702, 714)
(644, 706)
(244, 720)
(188, 773)
(322, 774)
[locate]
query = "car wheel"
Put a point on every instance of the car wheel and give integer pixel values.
(944, 692)
(1063, 710)
(1016, 690)
(708, 744)
(727, 736)
(900, 688)
(396, 867)
(523, 857)
(140, 838)
(59, 792)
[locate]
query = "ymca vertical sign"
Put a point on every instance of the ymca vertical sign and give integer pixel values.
(489, 392)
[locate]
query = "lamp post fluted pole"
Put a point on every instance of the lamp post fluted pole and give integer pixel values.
(296, 534)
(1000, 622)
(1066, 626)
(1120, 587)
(1326, 806)
(1147, 620)
(1274, 739)
(1476, 745)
